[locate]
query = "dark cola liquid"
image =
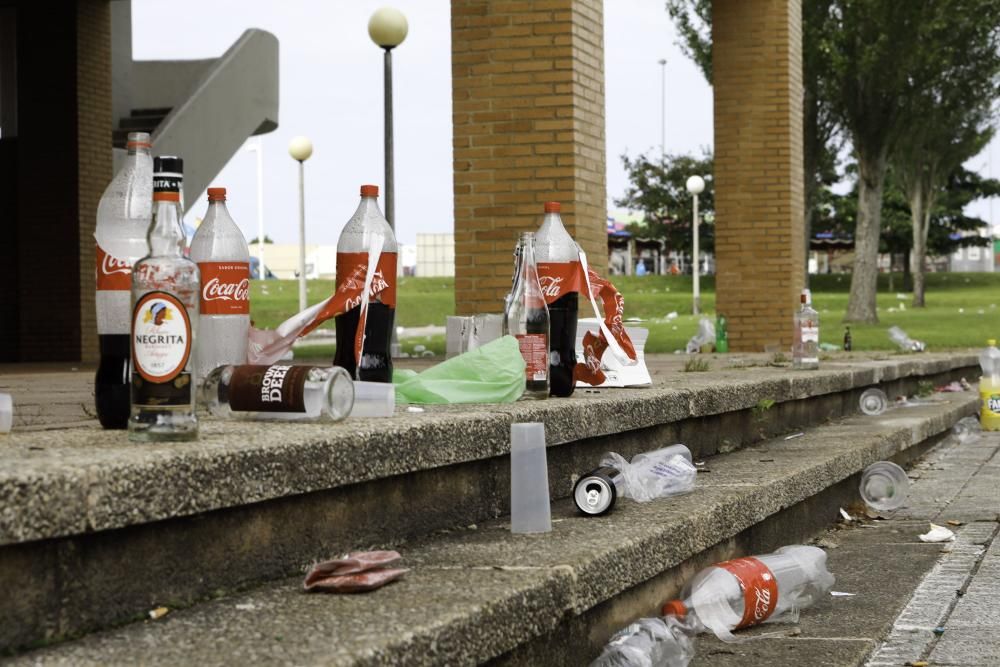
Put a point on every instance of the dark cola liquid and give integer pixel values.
(111, 384)
(562, 344)
(376, 359)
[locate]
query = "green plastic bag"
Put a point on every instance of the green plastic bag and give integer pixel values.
(493, 373)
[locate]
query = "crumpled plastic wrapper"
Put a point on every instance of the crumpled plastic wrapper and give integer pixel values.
(357, 572)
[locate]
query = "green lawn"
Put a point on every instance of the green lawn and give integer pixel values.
(963, 310)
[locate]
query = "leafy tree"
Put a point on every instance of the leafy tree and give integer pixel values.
(659, 189)
(949, 121)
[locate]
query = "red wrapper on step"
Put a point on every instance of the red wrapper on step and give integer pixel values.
(357, 583)
(356, 572)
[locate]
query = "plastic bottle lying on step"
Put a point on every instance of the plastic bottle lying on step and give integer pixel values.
(649, 642)
(744, 592)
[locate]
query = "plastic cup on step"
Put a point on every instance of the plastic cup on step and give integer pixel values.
(884, 486)
(6, 413)
(873, 401)
(967, 429)
(374, 399)
(530, 510)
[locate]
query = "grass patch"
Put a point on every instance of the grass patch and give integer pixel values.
(963, 309)
(696, 365)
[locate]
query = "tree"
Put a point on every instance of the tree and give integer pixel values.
(659, 190)
(948, 122)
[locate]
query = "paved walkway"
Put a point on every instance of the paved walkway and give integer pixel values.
(911, 602)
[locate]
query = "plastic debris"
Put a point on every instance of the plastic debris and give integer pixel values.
(829, 347)
(873, 401)
(884, 486)
(794, 435)
(159, 612)
(650, 642)
(938, 534)
(354, 573)
(967, 430)
(846, 517)
(415, 408)
(672, 315)
(705, 336)
(6, 413)
(839, 594)
(493, 373)
(657, 474)
(904, 342)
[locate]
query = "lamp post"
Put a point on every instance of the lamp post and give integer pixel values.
(663, 107)
(300, 148)
(388, 27)
(695, 185)
(258, 148)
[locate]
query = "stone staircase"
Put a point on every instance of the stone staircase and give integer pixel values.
(95, 532)
(138, 120)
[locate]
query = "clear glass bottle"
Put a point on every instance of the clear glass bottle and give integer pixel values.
(559, 262)
(223, 259)
(352, 251)
(123, 216)
(527, 319)
(165, 295)
(278, 392)
(805, 349)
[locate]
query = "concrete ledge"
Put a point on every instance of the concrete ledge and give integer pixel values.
(78, 480)
(479, 593)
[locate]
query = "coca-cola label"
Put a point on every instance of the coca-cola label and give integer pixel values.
(161, 337)
(225, 288)
(351, 270)
(113, 273)
(558, 279)
(276, 388)
(535, 351)
(760, 589)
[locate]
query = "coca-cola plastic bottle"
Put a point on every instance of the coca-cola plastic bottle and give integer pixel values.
(359, 237)
(220, 250)
(123, 217)
(527, 319)
(747, 591)
(558, 268)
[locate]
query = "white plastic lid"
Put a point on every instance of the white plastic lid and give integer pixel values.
(374, 399)
(6, 413)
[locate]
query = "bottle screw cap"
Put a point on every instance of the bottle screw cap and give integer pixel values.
(553, 207)
(216, 194)
(675, 608)
(369, 191)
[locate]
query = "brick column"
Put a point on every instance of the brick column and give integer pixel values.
(757, 78)
(94, 157)
(528, 116)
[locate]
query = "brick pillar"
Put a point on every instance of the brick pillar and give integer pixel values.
(528, 116)
(757, 78)
(94, 157)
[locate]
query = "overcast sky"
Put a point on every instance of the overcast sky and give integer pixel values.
(331, 91)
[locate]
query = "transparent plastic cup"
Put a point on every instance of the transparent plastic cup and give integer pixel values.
(967, 429)
(884, 486)
(873, 401)
(6, 413)
(530, 510)
(373, 399)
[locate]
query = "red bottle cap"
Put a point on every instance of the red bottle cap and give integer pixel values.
(675, 608)
(216, 194)
(369, 191)
(553, 207)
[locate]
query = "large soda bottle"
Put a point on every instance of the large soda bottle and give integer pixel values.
(989, 387)
(559, 266)
(165, 293)
(123, 216)
(220, 250)
(805, 348)
(527, 319)
(356, 241)
(748, 591)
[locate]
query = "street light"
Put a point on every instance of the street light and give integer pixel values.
(695, 185)
(300, 148)
(663, 108)
(258, 148)
(388, 27)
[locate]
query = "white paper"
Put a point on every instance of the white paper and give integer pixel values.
(938, 534)
(618, 374)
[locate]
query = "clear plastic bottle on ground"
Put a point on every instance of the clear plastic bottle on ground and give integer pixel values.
(989, 387)
(649, 642)
(223, 259)
(278, 392)
(123, 217)
(805, 348)
(743, 592)
(667, 471)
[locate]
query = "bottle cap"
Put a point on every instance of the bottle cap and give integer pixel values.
(553, 207)
(369, 191)
(674, 608)
(6, 413)
(216, 194)
(138, 140)
(168, 164)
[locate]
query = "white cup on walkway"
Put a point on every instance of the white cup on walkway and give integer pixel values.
(530, 510)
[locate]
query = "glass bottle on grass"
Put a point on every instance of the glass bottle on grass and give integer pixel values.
(805, 349)
(527, 319)
(165, 295)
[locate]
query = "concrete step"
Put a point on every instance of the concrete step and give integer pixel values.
(95, 530)
(479, 593)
